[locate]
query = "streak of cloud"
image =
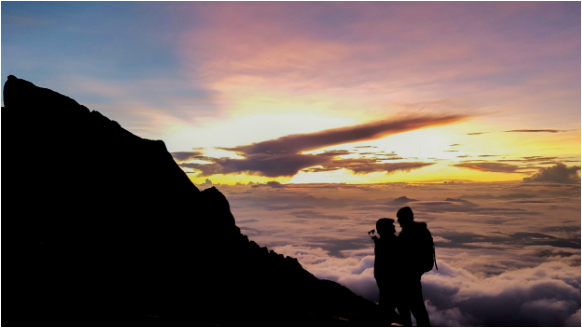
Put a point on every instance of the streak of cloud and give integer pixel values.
(290, 164)
(364, 167)
(489, 167)
(521, 130)
(534, 159)
(370, 131)
(316, 215)
(260, 164)
(543, 130)
(183, 156)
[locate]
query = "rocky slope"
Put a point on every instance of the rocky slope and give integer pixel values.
(102, 228)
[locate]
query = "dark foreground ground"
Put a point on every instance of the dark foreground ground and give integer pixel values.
(102, 228)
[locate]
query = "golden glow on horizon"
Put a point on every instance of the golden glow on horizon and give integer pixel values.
(437, 173)
(431, 143)
(232, 179)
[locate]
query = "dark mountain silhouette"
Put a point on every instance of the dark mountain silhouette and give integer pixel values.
(102, 228)
(464, 202)
(402, 200)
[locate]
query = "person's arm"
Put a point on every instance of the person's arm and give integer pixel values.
(375, 239)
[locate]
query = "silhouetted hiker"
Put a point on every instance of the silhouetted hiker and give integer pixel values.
(386, 269)
(417, 251)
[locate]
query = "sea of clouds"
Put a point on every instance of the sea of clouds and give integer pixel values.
(508, 254)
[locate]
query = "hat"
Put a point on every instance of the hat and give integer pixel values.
(383, 222)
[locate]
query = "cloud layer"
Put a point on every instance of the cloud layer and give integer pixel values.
(508, 254)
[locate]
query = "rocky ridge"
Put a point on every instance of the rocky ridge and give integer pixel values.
(103, 228)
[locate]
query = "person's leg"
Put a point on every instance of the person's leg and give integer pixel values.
(389, 300)
(402, 298)
(404, 311)
(386, 302)
(417, 305)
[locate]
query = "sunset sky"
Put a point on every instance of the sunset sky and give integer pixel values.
(317, 118)
(492, 89)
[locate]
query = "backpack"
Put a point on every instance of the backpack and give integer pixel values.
(427, 255)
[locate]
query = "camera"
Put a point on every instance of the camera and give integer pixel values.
(372, 234)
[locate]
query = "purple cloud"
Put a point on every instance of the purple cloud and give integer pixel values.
(296, 143)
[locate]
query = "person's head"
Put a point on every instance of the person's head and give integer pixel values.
(385, 227)
(405, 216)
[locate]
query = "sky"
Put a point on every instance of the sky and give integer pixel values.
(466, 91)
(317, 118)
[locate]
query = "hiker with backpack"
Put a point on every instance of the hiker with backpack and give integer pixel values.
(417, 256)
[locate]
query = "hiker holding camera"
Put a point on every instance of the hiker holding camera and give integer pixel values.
(386, 267)
(399, 264)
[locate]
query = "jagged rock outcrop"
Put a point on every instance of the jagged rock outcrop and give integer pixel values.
(102, 228)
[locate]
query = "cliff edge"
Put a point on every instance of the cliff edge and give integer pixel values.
(103, 228)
